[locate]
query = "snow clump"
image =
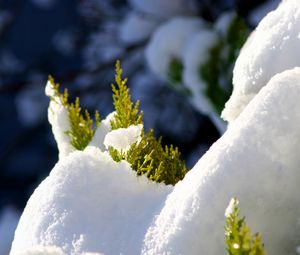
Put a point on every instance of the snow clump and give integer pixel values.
(257, 161)
(122, 139)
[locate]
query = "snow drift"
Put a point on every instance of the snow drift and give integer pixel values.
(90, 203)
(256, 160)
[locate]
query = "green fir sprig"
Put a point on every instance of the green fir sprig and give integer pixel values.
(238, 237)
(159, 163)
(127, 113)
(82, 126)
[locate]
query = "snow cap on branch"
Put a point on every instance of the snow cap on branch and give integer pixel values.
(122, 139)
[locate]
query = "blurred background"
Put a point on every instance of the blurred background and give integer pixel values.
(178, 56)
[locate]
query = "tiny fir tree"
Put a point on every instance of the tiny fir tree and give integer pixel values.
(239, 239)
(127, 113)
(82, 126)
(149, 156)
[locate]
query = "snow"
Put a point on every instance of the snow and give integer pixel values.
(166, 8)
(230, 207)
(272, 48)
(257, 161)
(49, 250)
(102, 130)
(43, 250)
(123, 138)
(59, 120)
(9, 218)
(137, 27)
(89, 203)
(168, 42)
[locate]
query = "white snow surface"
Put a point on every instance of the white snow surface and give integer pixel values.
(59, 119)
(122, 139)
(43, 250)
(89, 203)
(257, 161)
(168, 42)
(166, 8)
(137, 27)
(272, 48)
(102, 130)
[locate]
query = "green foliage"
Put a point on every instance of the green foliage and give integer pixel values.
(238, 236)
(175, 77)
(149, 157)
(211, 72)
(219, 65)
(175, 71)
(236, 36)
(127, 113)
(82, 125)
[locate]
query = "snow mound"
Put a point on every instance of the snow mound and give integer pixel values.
(257, 161)
(272, 48)
(89, 203)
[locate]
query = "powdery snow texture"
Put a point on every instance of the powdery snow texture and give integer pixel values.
(257, 161)
(272, 48)
(123, 138)
(89, 203)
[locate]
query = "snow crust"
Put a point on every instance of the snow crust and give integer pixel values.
(257, 161)
(123, 138)
(89, 203)
(272, 48)
(168, 42)
(59, 120)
